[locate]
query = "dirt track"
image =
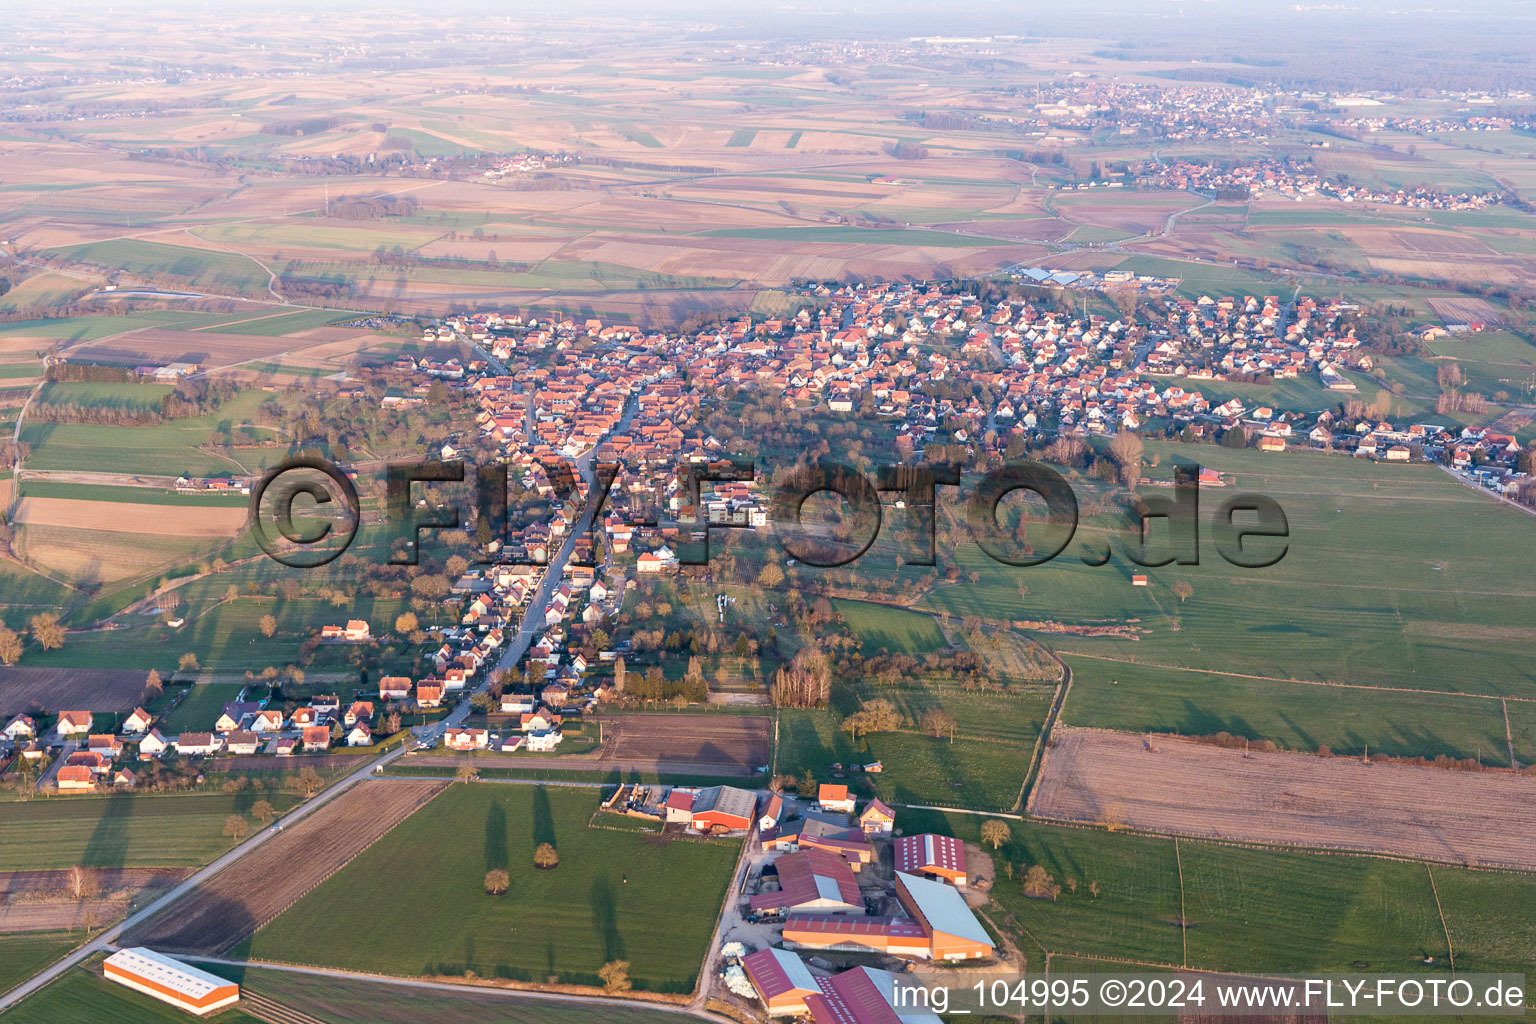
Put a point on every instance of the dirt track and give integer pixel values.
(257, 888)
(1173, 785)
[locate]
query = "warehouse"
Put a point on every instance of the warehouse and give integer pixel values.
(725, 808)
(782, 981)
(170, 981)
(932, 856)
(953, 931)
(938, 926)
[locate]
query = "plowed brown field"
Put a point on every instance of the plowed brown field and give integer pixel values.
(1181, 786)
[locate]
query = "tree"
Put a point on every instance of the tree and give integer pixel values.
(406, 623)
(618, 674)
(263, 811)
(1039, 885)
(1235, 438)
(268, 626)
(466, 773)
(615, 976)
(771, 576)
(939, 723)
(497, 882)
(153, 686)
(1125, 448)
(545, 857)
(310, 781)
(188, 663)
(11, 646)
(236, 827)
(80, 883)
(996, 832)
(1183, 591)
(47, 631)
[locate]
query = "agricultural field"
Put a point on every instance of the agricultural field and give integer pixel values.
(181, 830)
(22, 956)
(212, 269)
(1174, 785)
(345, 1001)
(253, 891)
(615, 895)
(1365, 594)
(716, 743)
(105, 690)
(1246, 909)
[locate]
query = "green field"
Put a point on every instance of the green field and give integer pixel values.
(82, 996)
(181, 830)
(1377, 587)
(283, 323)
(339, 1001)
(1297, 716)
(198, 268)
(132, 396)
(22, 956)
(982, 767)
(883, 627)
(859, 236)
(200, 708)
(615, 895)
(1249, 909)
(131, 495)
(742, 137)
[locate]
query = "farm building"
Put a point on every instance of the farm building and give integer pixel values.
(932, 856)
(723, 807)
(170, 981)
(812, 880)
(816, 834)
(782, 981)
(939, 926)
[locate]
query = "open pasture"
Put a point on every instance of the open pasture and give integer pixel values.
(254, 890)
(615, 895)
(883, 627)
(1173, 785)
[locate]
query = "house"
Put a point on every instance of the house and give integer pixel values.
(544, 742)
(360, 711)
(466, 739)
(326, 703)
(356, 631)
(1399, 453)
(360, 736)
(394, 687)
(124, 778)
(429, 695)
(197, 744)
(138, 721)
(22, 727)
(242, 742)
(877, 819)
(153, 745)
(285, 746)
(303, 718)
(723, 808)
(515, 704)
(811, 881)
(538, 721)
(679, 806)
(74, 723)
(76, 777)
(234, 716)
(932, 856)
(1139, 580)
(267, 720)
(1270, 443)
(834, 799)
(317, 737)
(106, 744)
(555, 694)
(782, 981)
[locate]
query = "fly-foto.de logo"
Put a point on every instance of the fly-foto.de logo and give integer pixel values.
(1248, 530)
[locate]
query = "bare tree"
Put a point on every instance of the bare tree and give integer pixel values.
(996, 832)
(615, 976)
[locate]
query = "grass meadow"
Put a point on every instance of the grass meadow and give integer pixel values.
(80, 995)
(615, 896)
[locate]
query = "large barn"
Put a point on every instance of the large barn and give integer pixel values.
(863, 995)
(938, 926)
(932, 856)
(723, 807)
(812, 880)
(170, 981)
